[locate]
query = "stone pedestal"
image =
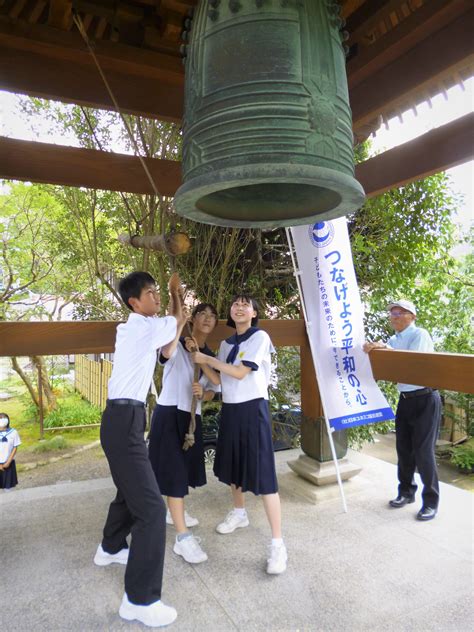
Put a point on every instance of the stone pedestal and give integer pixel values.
(316, 465)
(323, 473)
(316, 481)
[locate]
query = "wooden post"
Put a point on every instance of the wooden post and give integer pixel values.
(314, 436)
(40, 400)
(311, 405)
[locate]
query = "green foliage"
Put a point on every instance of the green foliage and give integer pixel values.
(358, 435)
(463, 422)
(401, 242)
(463, 455)
(72, 411)
(48, 445)
(285, 388)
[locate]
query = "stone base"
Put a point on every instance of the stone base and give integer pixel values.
(323, 473)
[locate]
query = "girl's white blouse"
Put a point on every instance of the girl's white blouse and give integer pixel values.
(6, 447)
(254, 352)
(178, 377)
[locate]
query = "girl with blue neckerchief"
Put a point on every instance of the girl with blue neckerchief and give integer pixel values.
(9, 441)
(244, 453)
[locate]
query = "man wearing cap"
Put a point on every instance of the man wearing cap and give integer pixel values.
(417, 418)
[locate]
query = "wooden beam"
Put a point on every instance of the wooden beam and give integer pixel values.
(398, 84)
(439, 370)
(437, 150)
(54, 64)
(451, 371)
(56, 338)
(90, 168)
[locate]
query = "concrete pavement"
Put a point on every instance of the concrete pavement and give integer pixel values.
(370, 569)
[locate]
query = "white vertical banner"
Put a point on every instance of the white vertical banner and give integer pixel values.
(334, 319)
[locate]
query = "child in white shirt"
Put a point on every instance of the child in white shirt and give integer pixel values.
(9, 441)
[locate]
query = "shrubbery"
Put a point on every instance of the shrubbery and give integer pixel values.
(74, 411)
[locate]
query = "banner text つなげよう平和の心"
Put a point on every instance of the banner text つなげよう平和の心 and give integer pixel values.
(334, 316)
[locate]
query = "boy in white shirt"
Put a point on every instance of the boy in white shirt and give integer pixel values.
(138, 507)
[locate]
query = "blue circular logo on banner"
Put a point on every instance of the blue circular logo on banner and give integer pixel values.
(321, 234)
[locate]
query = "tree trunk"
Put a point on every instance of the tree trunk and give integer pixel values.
(26, 380)
(38, 361)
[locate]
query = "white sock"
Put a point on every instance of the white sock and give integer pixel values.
(183, 536)
(277, 541)
(240, 511)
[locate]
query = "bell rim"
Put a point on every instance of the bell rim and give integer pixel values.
(351, 191)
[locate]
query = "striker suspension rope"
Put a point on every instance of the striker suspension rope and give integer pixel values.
(78, 21)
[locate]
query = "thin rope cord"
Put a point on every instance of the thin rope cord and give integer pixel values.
(78, 21)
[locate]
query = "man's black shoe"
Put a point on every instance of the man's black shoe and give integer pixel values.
(426, 513)
(401, 501)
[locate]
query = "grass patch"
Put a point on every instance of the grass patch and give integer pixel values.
(73, 411)
(48, 445)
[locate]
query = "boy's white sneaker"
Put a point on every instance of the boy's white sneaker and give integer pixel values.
(190, 549)
(276, 563)
(189, 521)
(102, 558)
(232, 522)
(155, 615)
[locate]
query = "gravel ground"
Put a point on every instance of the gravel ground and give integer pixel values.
(77, 466)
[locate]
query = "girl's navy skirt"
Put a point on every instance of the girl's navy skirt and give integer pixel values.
(175, 469)
(8, 477)
(244, 453)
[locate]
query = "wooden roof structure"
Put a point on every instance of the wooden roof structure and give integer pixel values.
(401, 53)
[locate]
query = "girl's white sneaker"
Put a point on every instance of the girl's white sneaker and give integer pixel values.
(276, 563)
(190, 549)
(232, 521)
(188, 520)
(154, 615)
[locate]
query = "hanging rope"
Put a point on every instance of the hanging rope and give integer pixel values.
(78, 22)
(189, 436)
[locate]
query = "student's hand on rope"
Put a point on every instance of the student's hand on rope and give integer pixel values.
(174, 285)
(191, 344)
(198, 390)
(183, 317)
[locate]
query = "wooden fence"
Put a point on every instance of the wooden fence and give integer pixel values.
(91, 378)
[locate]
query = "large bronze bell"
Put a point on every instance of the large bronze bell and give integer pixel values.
(267, 127)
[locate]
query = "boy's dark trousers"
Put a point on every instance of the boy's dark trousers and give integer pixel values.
(138, 507)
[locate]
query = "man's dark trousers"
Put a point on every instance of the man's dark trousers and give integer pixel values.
(417, 426)
(138, 507)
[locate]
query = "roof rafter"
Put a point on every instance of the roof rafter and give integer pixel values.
(54, 64)
(394, 86)
(399, 69)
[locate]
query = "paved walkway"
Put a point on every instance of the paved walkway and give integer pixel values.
(371, 569)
